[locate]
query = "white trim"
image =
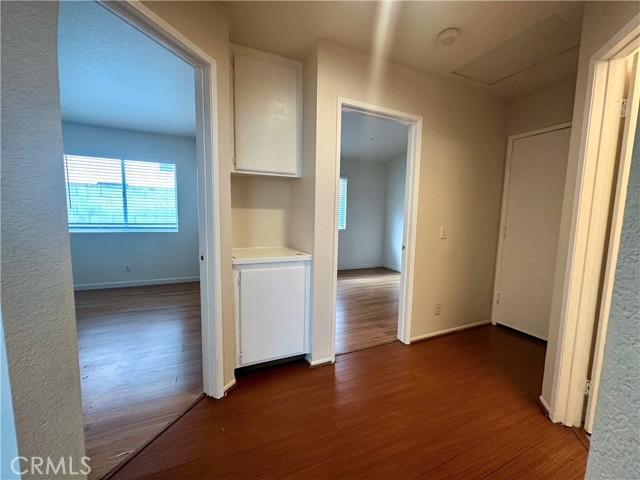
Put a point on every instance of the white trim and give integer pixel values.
(135, 283)
(392, 268)
(576, 318)
(412, 184)
(617, 219)
(521, 330)
(503, 210)
(358, 267)
(142, 18)
(544, 403)
(228, 386)
(450, 330)
(322, 361)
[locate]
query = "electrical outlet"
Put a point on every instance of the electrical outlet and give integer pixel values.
(443, 232)
(437, 308)
(127, 268)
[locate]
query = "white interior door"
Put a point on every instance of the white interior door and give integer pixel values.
(534, 190)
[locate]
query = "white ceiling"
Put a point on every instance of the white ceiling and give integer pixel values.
(532, 45)
(369, 138)
(113, 75)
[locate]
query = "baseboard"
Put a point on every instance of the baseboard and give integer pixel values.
(449, 330)
(135, 283)
(522, 330)
(545, 405)
(318, 363)
(358, 267)
(389, 267)
(229, 386)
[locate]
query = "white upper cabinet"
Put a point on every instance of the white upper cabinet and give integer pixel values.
(267, 97)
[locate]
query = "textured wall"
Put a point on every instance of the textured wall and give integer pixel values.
(155, 257)
(615, 445)
(37, 292)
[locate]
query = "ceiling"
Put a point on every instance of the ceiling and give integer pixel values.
(370, 138)
(506, 49)
(113, 75)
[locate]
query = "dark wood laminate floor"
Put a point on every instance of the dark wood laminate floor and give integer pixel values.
(366, 308)
(461, 406)
(140, 365)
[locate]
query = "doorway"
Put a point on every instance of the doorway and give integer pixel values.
(376, 196)
(574, 362)
(141, 204)
(371, 194)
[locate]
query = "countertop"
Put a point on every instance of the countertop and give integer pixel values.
(267, 255)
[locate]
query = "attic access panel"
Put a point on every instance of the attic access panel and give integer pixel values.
(543, 41)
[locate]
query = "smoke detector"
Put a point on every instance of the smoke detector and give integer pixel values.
(448, 36)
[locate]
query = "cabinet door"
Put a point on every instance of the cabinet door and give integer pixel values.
(272, 313)
(266, 116)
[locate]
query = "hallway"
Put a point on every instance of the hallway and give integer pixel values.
(462, 406)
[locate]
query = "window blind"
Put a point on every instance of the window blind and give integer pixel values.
(342, 204)
(109, 194)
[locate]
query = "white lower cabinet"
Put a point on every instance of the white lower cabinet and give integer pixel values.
(272, 297)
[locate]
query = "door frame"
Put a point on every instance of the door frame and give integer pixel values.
(617, 219)
(585, 256)
(412, 181)
(208, 167)
(504, 205)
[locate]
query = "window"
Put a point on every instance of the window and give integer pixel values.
(342, 204)
(117, 195)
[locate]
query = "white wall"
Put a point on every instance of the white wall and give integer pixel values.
(615, 441)
(460, 185)
(546, 108)
(155, 257)
(396, 171)
(601, 21)
(375, 214)
(37, 290)
(360, 245)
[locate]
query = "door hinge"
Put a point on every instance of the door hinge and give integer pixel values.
(239, 357)
(587, 388)
(235, 161)
(233, 61)
(239, 278)
(623, 107)
(498, 297)
(504, 232)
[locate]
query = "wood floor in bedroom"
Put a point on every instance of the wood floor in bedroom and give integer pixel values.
(140, 360)
(366, 308)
